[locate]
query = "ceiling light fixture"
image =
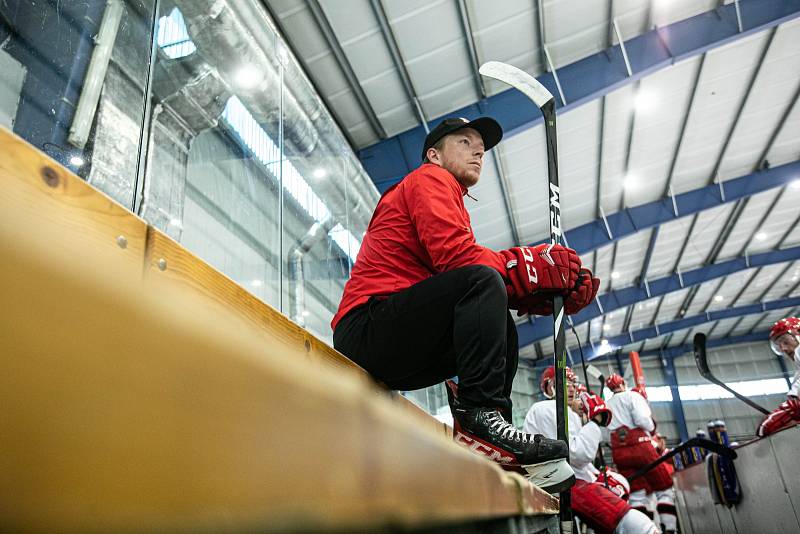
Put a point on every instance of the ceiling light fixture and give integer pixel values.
(77, 161)
(761, 236)
(718, 298)
(644, 101)
(247, 77)
(615, 275)
(320, 173)
(256, 283)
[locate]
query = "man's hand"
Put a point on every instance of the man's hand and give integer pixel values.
(539, 304)
(544, 268)
(596, 409)
(583, 292)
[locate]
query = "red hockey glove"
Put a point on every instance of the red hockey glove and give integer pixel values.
(640, 390)
(785, 416)
(596, 409)
(540, 304)
(583, 292)
(615, 482)
(550, 268)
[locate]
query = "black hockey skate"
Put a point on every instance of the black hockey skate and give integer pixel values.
(485, 431)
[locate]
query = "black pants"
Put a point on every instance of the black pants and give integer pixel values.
(454, 323)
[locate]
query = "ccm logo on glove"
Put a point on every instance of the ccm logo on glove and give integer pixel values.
(550, 268)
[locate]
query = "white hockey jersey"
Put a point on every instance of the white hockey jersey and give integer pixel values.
(630, 409)
(583, 439)
(796, 382)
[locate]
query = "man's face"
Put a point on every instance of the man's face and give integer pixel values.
(572, 390)
(787, 343)
(462, 155)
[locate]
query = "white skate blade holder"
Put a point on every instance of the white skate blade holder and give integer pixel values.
(553, 476)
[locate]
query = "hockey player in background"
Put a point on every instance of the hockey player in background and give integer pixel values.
(632, 448)
(784, 340)
(600, 505)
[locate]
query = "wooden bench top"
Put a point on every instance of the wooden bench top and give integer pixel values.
(165, 398)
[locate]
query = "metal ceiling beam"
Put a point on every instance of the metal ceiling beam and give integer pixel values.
(505, 190)
(680, 350)
(466, 27)
(593, 77)
(741, 204)
(394, 50)
(595, 234)
(540, 25)
(648, 255)
(682, 135)
(542, 327)
(689, 322)
(344, 64)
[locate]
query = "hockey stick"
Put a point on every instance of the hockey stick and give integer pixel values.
(527, 85)
(702, 366)
(709, 445)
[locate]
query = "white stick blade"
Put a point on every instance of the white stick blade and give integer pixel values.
(518, 79)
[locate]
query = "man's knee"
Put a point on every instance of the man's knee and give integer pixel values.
(486, 276)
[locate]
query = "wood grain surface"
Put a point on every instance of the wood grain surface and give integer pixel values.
(138, 398)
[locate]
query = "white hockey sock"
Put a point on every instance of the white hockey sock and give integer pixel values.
(635, 522)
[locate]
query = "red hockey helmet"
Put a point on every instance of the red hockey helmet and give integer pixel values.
(788, 325)
(549, 375)
(614, 382)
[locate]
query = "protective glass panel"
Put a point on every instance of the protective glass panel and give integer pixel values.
(73, 84)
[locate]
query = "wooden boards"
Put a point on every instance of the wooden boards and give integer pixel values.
(145, 395)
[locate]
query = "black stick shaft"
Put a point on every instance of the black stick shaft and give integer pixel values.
(701, 359)
(559, 339)
(712, 446)
(739, 396)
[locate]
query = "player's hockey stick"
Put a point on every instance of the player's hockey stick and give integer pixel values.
(709, 445)
(702, 366)
(527, 85)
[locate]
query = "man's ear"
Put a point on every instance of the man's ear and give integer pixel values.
(433, 156)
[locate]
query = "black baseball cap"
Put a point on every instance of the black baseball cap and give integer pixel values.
(490, 131)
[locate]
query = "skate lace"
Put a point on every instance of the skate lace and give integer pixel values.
(506, 430)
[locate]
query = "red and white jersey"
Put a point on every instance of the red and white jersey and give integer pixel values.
(796, 382)
(583, 439)
(630, 409)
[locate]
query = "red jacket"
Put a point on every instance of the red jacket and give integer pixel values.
(420, 228)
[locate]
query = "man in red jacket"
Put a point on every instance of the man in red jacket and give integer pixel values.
(425, 302)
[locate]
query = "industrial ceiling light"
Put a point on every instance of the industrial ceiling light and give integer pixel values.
(77, 161)
(320, 173)
(761, 236)
(606, 327)
(796, 184)
(718, 298)
(615, 275)
(306, 313)
(256, 283)
(644, 101)
(247, 77)
(630, 181)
